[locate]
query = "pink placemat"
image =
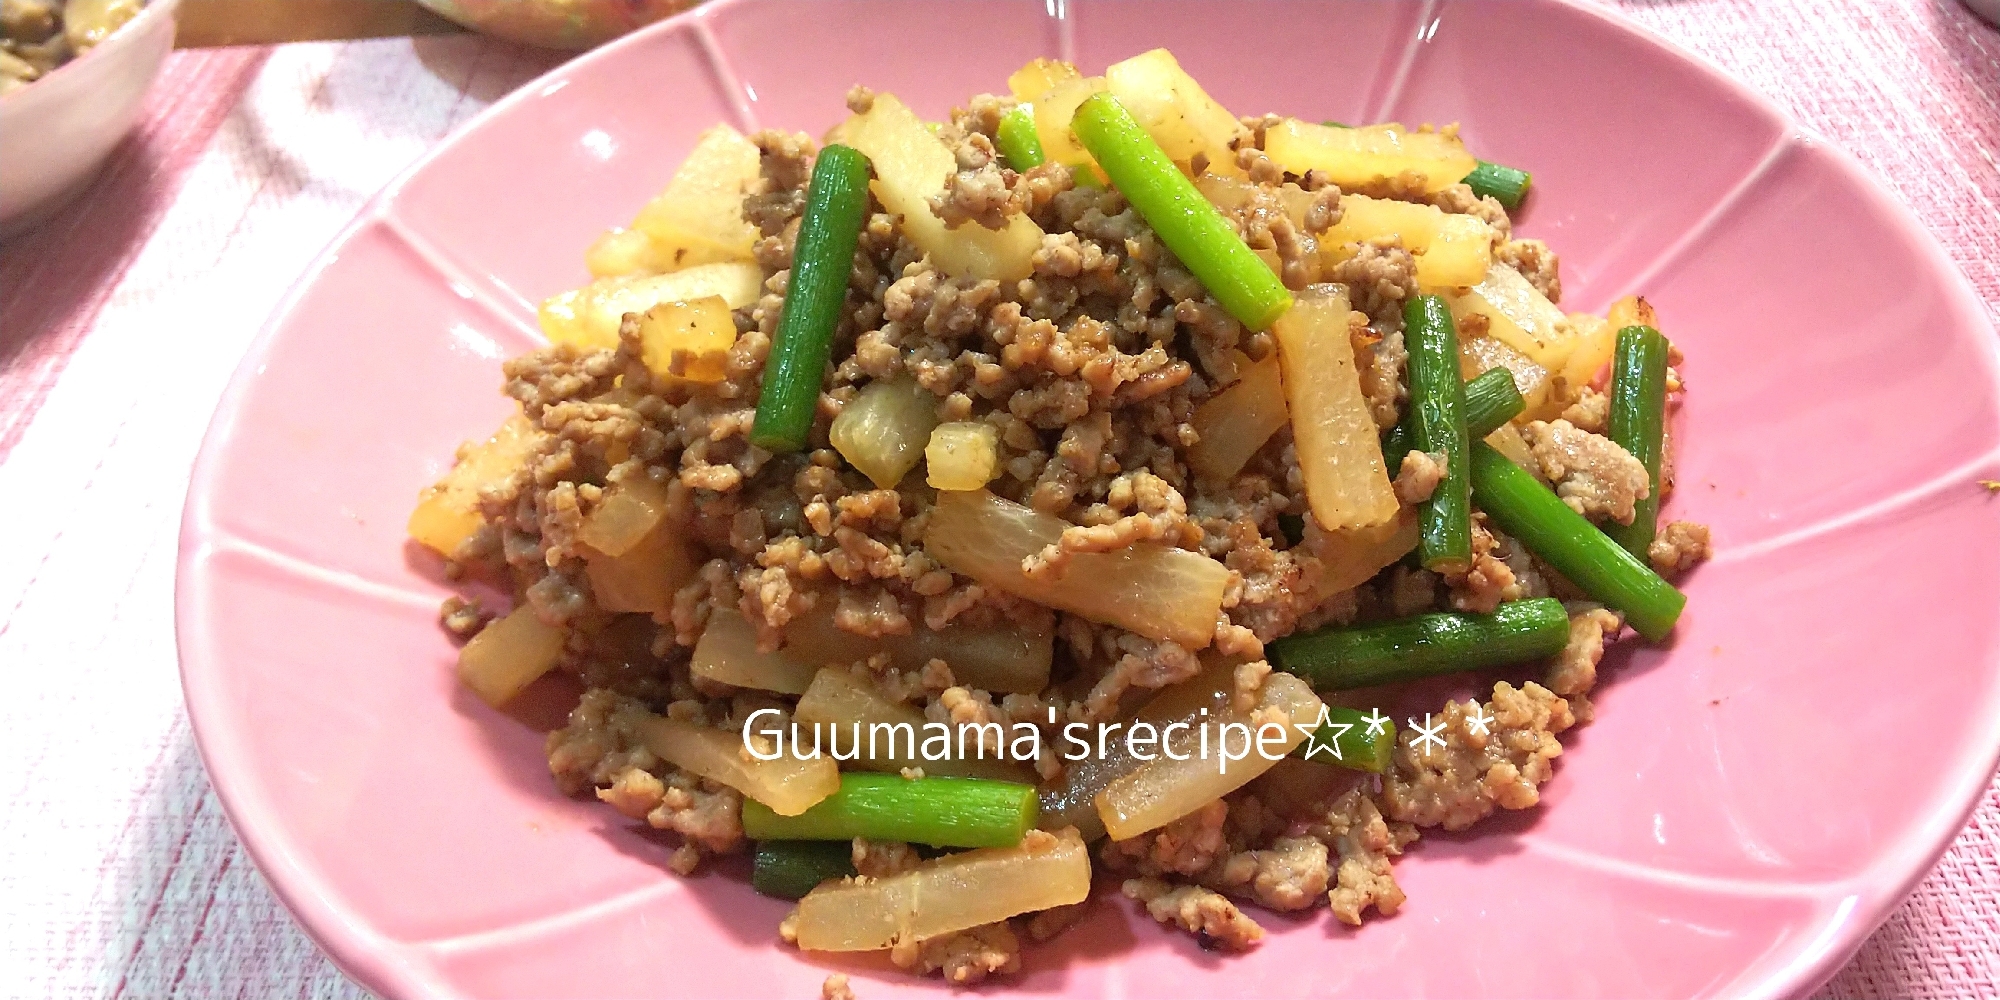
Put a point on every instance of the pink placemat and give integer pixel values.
(121, 320)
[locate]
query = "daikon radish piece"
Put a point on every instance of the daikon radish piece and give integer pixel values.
(1072, 800)
(1339, 448)
(1233, 424)
(1151, 589)
(788, 784)
(1357, 157)
(698, 219)
(838, 698)
(448, 512)
(1163, 790)
(727, 652)
(589, 317)
(629, 511)
(1351, 557)
(946, 894)
(1175, 110)
(509, 654)
(687, 340)
(911, 165)
(962, 455)
(644, 577)
(884, 429)
(1517, 315)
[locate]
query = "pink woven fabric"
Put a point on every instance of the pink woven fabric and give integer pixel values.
(63, 271)
(119, 875)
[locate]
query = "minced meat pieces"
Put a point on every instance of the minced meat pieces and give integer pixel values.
(1574, 670)
(964, 957)
(1591, 473)
(1679, 546)
(1419, 476)
(1205, 913)
(1536, 262)
(1501, 763)
(1356, 831)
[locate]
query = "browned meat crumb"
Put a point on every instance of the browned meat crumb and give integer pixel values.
(1536, 262)
(1591, 473)
(1489, 580)
(1380, 276)
(1574, 670)
(1213, 919)
(836, 988)
(1290, 874)
(1590, 412)
(1249, 683)
(963, 957)
(461, 617)
(1458, 199)
(1143, 663)
(1476, 772)
(600, 747)
(881, 859)
(1419, 476)
(979, 191)
(1187, 846)
(1678, 547)
(1354, 828)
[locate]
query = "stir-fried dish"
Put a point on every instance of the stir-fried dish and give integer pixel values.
(1094, 481)
(36, 36)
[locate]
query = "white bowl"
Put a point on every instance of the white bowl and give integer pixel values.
(59, 129)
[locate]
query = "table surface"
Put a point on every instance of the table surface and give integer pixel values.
(121, 321)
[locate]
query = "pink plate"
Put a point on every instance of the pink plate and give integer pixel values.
(1750, 803)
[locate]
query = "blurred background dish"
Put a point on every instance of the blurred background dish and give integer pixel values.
(60, 124)
(561, 24)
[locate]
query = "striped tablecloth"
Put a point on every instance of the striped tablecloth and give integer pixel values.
(121, 321)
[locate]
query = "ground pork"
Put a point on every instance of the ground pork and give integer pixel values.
(963, 957)
(601, 747)
(883, 858)
(1591, 473)
(1380, 276)
(1680, 546)
(1574, 670)
(1355, 830)
(1590, 412)
(1419, 475)
(1208, 915)
(1187, 846)
(461, 617)
(978, 192)
(1458, 199)
(1489, 579)
(1536, 262)
(836, 988)
(1143, 663)
(1501, 763)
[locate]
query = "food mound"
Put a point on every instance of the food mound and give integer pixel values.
(36, 36)
(1068, 444)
